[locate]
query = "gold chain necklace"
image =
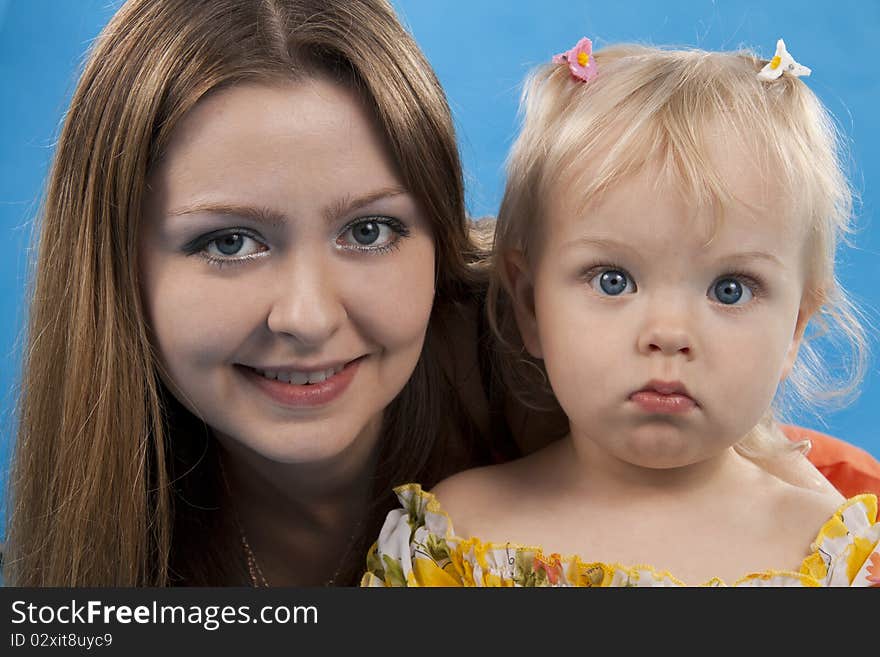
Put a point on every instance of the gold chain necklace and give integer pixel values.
(258, 579)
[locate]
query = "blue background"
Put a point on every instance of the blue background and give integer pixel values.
(481, 49)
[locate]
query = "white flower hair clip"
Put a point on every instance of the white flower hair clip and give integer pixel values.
(782, 62)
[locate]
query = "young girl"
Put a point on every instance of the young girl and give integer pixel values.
(666, 237)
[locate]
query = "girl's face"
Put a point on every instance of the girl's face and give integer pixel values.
(287, 273)
(664, 347)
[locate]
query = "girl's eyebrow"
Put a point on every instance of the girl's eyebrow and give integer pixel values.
(265, 215)
(732, 258)
(752, 255)
(600, 243)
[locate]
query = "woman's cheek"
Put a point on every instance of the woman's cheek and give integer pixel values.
(393, 301)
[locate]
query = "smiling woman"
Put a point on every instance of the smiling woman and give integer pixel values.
(281, 208)
(252, 247)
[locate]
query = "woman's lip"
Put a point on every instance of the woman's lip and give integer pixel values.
(303, 396)
(655, 402)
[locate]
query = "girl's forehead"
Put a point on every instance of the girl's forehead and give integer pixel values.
(724, 172)
(654, 204)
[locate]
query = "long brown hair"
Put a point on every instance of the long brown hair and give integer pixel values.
(114, 483)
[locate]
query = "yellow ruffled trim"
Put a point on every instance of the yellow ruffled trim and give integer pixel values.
(811, 566)
(832, 527)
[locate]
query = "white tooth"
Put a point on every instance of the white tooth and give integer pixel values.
(338, 369)
(269, 375)
(299, 378)
(317, 377)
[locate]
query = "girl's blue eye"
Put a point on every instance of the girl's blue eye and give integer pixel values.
(233, 245)
(730, 291)
(373, 234)
(612, 282)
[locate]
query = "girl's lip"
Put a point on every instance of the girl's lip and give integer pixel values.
(310, 395)
(655, 402)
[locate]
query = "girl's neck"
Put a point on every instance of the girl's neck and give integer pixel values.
(598, 471)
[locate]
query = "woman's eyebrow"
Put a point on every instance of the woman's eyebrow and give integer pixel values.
(261, 215)
(264, 215)
(348, 204)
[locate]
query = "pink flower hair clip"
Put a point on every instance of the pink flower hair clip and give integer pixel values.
(580, 60)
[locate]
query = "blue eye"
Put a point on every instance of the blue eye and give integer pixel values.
(372, 234)
(730, 291)
(366, 233)
(612, 282)
(232, 246)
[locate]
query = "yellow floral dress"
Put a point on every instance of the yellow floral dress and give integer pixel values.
(418, 547)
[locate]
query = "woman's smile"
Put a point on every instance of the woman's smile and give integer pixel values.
(302, 388)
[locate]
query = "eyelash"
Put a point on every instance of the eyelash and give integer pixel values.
(395, 225)
(199, 245)
(754, 283)
(594, 270)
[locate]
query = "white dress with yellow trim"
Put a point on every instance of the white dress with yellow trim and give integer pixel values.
(418, 547)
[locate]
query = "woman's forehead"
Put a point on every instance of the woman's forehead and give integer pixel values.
(268, 142)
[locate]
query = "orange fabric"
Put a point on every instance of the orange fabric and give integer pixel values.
(849, 468)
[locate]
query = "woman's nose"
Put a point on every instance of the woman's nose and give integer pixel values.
(306, 306)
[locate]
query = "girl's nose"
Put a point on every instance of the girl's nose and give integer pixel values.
(666, 340)
(668, 331)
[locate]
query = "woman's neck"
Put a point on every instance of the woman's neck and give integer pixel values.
(298, 519)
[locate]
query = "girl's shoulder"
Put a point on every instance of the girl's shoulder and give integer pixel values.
(851, 469)
(477, 497)
(489, 500)
(419, 546)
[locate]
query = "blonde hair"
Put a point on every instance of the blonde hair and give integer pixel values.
(114, 483)
(648, 105)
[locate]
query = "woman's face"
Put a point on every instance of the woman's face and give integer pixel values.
(287, 273)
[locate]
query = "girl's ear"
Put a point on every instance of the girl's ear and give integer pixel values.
(521, 284)
(803, 318)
